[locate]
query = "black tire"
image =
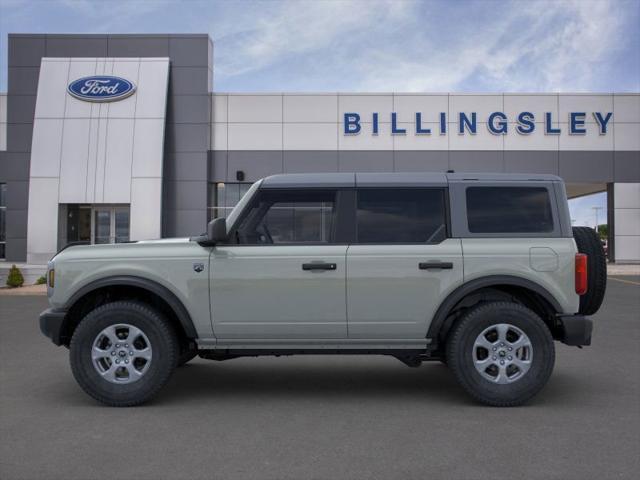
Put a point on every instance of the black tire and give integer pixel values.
(164, 350)
(460, 350)
(588, 243)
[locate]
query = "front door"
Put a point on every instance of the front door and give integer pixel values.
(402, 264)
(110, 225)
(283, 274)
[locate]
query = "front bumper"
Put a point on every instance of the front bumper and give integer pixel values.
(575, 330)
(51, 323)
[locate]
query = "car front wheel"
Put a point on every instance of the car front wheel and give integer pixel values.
(122, 353)
(501, 353)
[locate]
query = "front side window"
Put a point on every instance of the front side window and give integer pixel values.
(509, 210)
(415, 215)
(289, 217)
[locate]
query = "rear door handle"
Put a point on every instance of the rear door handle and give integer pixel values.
(319, 266)
(435, 265)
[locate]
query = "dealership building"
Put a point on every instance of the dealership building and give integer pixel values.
(111, 138)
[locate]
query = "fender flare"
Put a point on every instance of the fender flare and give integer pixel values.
(150, 285)
(440, 317)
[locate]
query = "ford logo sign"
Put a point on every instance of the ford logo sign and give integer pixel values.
(101, 88)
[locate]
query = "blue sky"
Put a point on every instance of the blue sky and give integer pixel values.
(375, 45)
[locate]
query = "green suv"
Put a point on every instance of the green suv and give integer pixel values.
(479, 271)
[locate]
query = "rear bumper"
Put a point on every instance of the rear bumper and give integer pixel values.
(51, 322)
(575, 330)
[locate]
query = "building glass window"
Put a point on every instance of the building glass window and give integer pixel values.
(415, 215)
(509, 210)
(223, 197)
(3, 216)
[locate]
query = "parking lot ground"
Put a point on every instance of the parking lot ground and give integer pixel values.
(323, 417)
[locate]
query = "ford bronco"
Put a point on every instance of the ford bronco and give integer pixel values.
(479, 271)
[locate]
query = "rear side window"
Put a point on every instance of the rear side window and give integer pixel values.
(509, 210)
(387, 215)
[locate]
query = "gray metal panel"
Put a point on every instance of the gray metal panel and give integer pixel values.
(188, 109)
(23, 80)
(185, 195)
(191, 51)
(16, 248)
(19, 137)
(15, 167)
(76, 46)
(458, 205)
(421, 161)
(531, 161)
(310, 180)
(17, 195)
(186, 223)
(16, 223)
(185, 166)
(22, 108)
(218, 163)
(586, 166)
(365, 161)
(626, 166)
(186, 137)
(138, 46)
(310, 161)
(255, 164)
(188, 80)
(400, 179)
(26, 50)
(476, 160)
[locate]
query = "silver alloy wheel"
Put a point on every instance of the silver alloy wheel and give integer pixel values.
(502, 353)
(121, 353)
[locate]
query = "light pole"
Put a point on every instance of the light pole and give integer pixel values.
(595, 209)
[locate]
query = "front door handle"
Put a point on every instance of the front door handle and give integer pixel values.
(435, 265)
(319, 266)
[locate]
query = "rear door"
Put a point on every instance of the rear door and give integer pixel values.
(284, 275)
(402, 264)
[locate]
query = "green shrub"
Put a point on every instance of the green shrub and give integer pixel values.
(41, 280)
(15, 278)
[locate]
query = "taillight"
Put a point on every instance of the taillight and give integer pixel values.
(581, 273)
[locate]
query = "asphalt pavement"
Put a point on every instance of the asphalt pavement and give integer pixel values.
(323, 417)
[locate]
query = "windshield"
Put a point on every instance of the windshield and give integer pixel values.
(233, 216)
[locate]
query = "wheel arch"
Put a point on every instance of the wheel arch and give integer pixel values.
(526, 291)
(111, 288)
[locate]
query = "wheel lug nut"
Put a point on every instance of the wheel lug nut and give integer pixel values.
(510, 357)
(126, 345)
(126, 361)
(117, 361)
(501, 362)
(113, 353)
(510, 348)
(117, 345)
(494, 357)
(502, 344)
(131, 353)
(494, 349)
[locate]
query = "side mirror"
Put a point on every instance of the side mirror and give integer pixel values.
(217, 230)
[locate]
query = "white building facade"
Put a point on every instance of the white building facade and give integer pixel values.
(170, 153)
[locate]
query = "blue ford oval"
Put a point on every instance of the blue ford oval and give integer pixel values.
(101, 88)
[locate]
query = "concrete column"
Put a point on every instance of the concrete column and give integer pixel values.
(626, 222)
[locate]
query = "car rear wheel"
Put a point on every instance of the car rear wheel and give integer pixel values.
(501, 353)
(122, 353)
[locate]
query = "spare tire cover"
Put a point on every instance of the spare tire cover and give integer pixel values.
(588, 243)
